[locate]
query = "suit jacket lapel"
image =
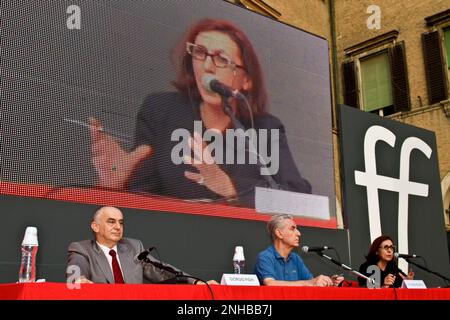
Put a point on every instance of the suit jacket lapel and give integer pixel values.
(126, 262)
(103, 263)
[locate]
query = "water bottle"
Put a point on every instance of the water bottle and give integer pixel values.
(27, 271)
(239, 260)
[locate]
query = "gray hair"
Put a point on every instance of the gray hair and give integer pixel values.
(100, 211)
(275, 223)
(97, 214)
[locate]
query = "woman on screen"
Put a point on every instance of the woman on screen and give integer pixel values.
(182, 147)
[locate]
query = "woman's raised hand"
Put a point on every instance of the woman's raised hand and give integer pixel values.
(113, 164)
(210, 174)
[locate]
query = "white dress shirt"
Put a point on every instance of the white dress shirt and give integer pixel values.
(106, 250)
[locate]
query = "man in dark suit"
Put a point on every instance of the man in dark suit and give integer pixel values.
(110, 258)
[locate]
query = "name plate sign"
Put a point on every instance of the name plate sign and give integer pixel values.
(414, 284)
(232, 279)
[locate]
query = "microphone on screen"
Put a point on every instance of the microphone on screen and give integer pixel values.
(212, 84)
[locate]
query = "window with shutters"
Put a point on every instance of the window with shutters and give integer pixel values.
(447, 45)
(376, 83)
(375, 75)
(436, 52)
(447, 54)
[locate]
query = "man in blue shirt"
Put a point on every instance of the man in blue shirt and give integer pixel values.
(279, 266)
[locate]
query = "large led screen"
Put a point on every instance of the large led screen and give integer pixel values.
(197, 101)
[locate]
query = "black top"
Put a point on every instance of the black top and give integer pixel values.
(391, 268)
(161, 114)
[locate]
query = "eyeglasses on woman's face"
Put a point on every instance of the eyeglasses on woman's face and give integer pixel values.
(220, 59)
(387, 247)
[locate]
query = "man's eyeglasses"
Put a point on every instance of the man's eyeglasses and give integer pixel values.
(220, 59)
(386, 248)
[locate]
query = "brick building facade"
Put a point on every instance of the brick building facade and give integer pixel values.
(413, 38)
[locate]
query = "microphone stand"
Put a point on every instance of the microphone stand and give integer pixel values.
(178, 278)
(428, 270)
(340, 264)
(249, 146)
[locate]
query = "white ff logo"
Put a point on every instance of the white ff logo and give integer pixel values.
(373, 182)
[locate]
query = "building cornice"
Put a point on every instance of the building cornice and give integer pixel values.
(261, 7)
(443, 105)
(438, 18)
(385, 38)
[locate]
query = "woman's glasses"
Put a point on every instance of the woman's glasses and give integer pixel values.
(219, 59)
(386, 248)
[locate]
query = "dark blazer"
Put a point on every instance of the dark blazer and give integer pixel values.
(93, 264)
(161, 114)
(391, 268)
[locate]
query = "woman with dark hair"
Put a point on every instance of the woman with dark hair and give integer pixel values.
(211, 49)
(381, 255)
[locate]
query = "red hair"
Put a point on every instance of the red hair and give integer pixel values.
(185, 82)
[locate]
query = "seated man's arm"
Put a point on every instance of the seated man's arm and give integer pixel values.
(319, 281)
(77, 264)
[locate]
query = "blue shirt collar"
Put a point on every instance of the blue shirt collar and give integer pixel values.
(277, 254)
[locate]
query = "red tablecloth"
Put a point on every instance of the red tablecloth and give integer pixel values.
(60, 291)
